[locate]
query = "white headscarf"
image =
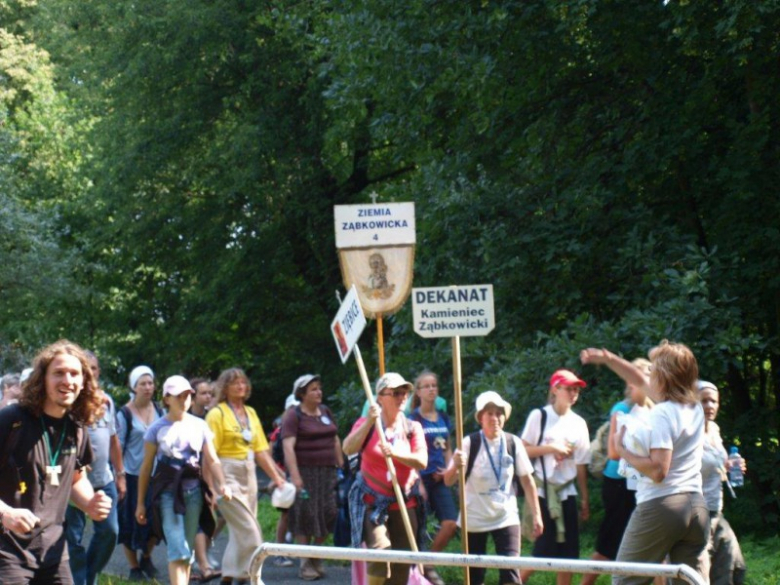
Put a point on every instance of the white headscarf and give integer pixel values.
(136, 374)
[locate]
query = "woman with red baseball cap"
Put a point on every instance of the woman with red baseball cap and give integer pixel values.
(557, 441)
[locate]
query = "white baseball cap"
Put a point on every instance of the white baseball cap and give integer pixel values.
(175, 385)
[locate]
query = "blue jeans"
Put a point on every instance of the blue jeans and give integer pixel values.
(86, 564)
(180, 529)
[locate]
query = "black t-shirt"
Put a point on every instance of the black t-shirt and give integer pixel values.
(23, 481)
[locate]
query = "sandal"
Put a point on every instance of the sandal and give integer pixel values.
(210, 575)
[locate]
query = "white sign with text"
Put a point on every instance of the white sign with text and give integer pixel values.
(450, 311)
(348, 325)
(370, 225)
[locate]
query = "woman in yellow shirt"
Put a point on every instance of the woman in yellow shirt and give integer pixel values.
(240, 444)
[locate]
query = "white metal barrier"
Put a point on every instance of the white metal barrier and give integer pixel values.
(267, 549)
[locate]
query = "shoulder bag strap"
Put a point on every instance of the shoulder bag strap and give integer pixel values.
(539, 442)
(474, 446)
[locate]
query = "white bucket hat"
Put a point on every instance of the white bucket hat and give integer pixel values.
(393, 381)
(491, 397)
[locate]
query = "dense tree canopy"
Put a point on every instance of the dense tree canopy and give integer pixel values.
(610, 167)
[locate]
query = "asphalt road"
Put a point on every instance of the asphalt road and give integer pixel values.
(335, 574)
(271, 575)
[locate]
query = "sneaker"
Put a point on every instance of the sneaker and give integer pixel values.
(283, 562)
(136, 575)
(148, 568)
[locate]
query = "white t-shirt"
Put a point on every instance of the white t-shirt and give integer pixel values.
(490, 499)
(712, 464)
(641, 413)
(679, 427)
(570, 428)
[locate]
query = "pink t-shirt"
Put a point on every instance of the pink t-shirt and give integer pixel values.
(373, 464)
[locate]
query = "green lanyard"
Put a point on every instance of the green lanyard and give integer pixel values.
(52, 470)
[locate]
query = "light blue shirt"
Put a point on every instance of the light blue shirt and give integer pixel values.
(611, 468)
(100, 434)
(133, 452)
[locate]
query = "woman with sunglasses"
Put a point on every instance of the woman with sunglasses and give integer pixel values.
(374, 511)
(240, 444)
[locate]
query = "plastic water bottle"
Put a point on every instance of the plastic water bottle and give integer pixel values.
(736, 478)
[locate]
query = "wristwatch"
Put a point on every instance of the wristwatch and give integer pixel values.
(120, 473)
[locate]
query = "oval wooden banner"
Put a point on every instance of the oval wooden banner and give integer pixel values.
(382, 276)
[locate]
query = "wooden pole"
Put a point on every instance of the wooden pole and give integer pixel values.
(388, 460)
(380, 340)
(457, 396)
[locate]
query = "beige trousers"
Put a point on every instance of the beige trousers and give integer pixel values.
(240, 514)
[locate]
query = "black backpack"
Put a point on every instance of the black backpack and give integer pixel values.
(277, 447)
(277, 450)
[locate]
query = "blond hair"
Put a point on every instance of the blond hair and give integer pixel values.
(676, 372)
(226, 378)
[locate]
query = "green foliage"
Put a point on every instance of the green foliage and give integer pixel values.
(762, 562)
(37, 284)
(608, 166)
